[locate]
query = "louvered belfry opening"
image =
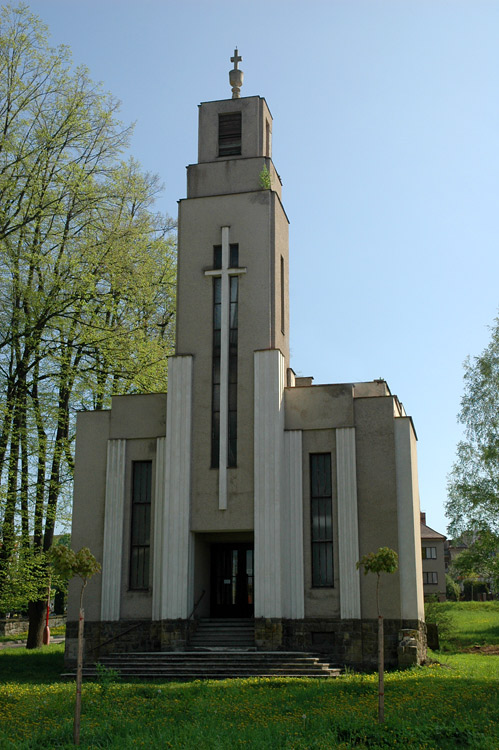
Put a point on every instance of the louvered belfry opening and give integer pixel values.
(229, 134)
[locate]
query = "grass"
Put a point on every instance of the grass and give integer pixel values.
(452, 703)
(473, 624)
(57, 630)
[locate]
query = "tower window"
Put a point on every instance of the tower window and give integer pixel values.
(229, 134)
(321, 503)
(141, 525)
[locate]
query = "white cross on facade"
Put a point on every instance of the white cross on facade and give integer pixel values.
(225, 272)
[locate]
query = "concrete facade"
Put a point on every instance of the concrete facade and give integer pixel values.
(246, 536)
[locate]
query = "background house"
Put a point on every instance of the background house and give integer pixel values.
(433, 552)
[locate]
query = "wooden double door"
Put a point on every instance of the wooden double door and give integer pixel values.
(232, 580)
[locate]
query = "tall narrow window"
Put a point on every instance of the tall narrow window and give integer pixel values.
(232, 435)
(232, 358)
(282, 295)
(141, 525)
(217, 334)
(322, 519)
(229, 134)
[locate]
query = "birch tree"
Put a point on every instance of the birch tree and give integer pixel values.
(86, 284)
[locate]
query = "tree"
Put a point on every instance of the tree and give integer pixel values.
(473, 487)
(86, 281)
(452, 589)
(68, 564)
(479, 563)
(385, 560)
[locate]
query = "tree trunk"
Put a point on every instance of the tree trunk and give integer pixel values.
(24, 485)
(42, 460)
(36, 613)
(7, 547)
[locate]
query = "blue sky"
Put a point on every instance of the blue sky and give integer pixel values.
(386, 123)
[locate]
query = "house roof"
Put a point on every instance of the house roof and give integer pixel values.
(428, 533)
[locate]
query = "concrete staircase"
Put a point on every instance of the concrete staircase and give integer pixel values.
(223, 633)
(214, 665)
(219, 649)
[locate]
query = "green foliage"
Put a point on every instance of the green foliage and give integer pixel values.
(479, 563)
(459, 700)
(22, 579)
(473, 488)
(87, 277)
(265, 178)
(452, 589)
(106, 676)
(442, 617)
(68, 563)
(385, 560)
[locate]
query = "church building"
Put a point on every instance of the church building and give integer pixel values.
(245, 492)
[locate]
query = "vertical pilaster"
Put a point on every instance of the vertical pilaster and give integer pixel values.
(158, 569)
(269, 456)
(173, 597)
(409, 526)
(293, 602)
(348, 531)
(113, 530)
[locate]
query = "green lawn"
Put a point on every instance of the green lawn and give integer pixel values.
(473, 624)
(453, 703)
(57, 630)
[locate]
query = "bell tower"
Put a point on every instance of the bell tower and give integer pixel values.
(232, 296)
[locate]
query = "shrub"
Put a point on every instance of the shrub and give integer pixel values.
(439, 615)
(452, 589)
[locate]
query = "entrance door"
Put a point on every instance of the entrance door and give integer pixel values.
(232, 580)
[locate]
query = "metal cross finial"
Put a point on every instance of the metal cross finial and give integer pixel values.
(236, 59)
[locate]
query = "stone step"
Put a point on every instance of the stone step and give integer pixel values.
(172, 676)
(182, 655)
(223, 632)
(238, 632)
(214, 659)
(214, 665)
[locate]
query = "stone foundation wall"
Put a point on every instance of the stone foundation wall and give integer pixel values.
(103, 638)
(16, 625)
(344, 642)
(350, 642)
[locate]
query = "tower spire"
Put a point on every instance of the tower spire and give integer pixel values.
(236, 76)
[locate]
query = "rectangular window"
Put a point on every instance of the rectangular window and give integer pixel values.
(232, 354)
(321, 503)
(430, 577)
(141, 524)
(215, 398)
(233, 325)
(282, 294)
(229, 134)
(429, 553)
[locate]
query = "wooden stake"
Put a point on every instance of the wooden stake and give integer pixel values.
(381, 672)
(79, 676)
